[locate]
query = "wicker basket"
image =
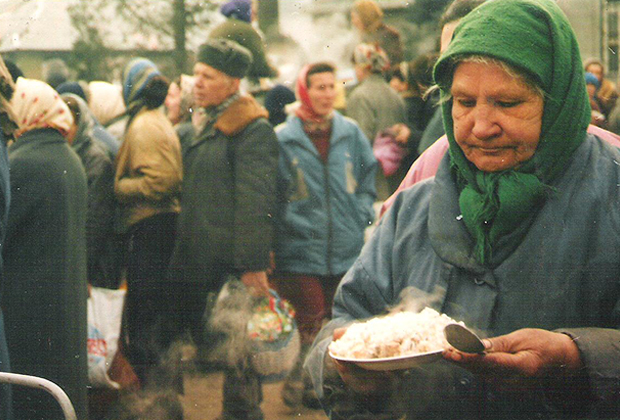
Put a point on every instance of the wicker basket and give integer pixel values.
(275, 338)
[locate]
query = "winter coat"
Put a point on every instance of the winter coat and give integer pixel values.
(375, 106)
(148, 169)
(325, 206)
(45, 289)
(564, 274)
(229, 195)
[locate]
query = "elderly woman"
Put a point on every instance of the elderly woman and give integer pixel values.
(517, 235)
(44, 289)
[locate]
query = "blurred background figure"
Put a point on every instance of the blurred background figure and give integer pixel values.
(98, 133)
(101, 246)
(373, 103)
(276, 101)
(326, 192)
(593, 86)
(367, 17)
(448, 22)
(607, 93)
(45, 254)
(413, 79)
(54, 72)
(180, 108)
(107, 105)
(148, 185)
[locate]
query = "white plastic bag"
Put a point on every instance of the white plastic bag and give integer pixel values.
(105, 312)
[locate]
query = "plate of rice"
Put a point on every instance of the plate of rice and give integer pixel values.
(401, 340)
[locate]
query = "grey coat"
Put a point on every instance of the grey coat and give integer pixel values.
(375, 106)
(564, 274)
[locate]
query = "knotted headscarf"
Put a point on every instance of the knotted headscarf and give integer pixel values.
(304, 111)
(8, 119)
(372, 56)
(37, 105)
(536, 37)
(136, 76)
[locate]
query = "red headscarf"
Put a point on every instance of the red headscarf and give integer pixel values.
(305, 111)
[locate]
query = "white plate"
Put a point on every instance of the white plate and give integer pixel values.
(393, 363)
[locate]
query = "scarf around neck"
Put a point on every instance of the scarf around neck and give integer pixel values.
(533, 36)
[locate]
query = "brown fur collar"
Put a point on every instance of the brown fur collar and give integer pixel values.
(239, 114)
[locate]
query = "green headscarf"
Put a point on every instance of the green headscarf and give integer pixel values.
(533, 36)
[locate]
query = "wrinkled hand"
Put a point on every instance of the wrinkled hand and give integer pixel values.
(522, 357)
(401, 133)
(256, 282)
(362, 381)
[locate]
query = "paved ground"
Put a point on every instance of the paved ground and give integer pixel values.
(203, 399)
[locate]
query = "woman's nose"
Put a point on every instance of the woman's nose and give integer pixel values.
(485, 124)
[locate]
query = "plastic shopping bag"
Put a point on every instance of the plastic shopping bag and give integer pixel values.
(105, 311)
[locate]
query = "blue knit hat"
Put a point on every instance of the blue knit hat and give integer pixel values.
(238, 9)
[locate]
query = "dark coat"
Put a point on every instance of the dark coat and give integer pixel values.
(44, 289)
(5, 199)
(229, 195)
(101, 240)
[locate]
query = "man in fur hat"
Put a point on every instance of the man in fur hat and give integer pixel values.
(225, 227)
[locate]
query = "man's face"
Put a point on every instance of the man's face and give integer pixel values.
(212, 86)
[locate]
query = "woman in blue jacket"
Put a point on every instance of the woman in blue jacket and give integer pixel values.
(326, 190)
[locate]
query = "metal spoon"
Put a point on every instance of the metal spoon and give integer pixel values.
(463, 339)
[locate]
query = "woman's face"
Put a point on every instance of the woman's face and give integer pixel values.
(497, 118)
(322, 92)
(173, 102)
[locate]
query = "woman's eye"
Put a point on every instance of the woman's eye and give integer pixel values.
(508, 104)
(467, 103)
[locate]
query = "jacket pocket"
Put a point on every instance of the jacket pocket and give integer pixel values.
(299, 189)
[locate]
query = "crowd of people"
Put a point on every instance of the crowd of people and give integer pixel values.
(490, 158)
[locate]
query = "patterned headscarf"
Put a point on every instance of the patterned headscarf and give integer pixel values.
(8, 119)
(137, 74)
(533, 36)
(372, 56)
(37, 105)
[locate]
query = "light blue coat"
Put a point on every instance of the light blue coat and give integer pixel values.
(564, 274)
(324, 207)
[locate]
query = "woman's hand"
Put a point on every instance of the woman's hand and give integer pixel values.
(519, 357)
(363, 381)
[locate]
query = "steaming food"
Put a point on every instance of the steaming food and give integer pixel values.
(394, 335)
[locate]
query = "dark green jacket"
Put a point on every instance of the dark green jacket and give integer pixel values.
(44, 289)
(228, 196)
